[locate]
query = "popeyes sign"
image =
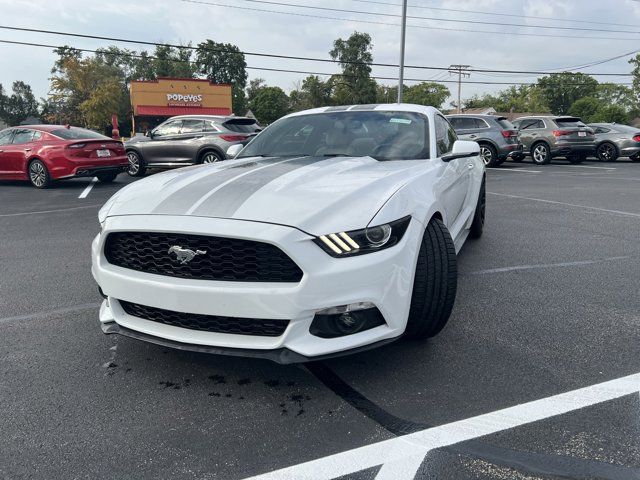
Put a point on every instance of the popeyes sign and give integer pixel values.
(180, 100)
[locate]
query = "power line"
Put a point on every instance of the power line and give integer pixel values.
(500, 32)
(273, 55)
(304, 72)
(497, 14)
(438, 19)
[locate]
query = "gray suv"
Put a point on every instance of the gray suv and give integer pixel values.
(187, 140)
(546, 137)
(497, 137)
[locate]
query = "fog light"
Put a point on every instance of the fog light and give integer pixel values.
(346, 320)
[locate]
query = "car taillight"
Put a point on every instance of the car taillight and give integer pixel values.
(509, 133)
(636, 138)
(233, 138)
(561, 133)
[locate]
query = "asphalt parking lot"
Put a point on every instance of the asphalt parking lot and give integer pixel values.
(548, 302)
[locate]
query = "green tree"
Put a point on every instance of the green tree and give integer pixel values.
(426, 93)
(254, 87)
(521, 98)
(3, 104)
(386, 94)
(313, 93)
(586, 108)
(613, 94)
(224, 63)
(611, 114)
(355, 86)
(19, 105)
(560, 90)
(269, 104)
(173, 62)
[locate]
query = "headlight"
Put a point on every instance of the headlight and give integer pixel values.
(366, 240)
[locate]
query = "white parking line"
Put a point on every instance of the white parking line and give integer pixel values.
(86, 191)
(404, 455)
(546, 265)
(617, 212)
(583, 166)
(515, 170)
(39, 212)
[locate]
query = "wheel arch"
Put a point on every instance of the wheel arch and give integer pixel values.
(210, 148)
(538, 142)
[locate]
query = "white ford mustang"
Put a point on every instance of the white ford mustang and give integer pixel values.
(335, 230)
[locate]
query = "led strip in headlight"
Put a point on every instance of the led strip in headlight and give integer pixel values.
(366, 240)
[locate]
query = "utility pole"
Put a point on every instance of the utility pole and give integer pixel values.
(461, 71)
(402, 42)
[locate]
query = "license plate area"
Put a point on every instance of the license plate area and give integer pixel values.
(103, 153)
(582, 134)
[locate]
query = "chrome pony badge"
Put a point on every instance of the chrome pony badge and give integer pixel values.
(185, 255)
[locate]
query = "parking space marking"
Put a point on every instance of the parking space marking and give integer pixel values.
(554, 202)
(32, 316)
(545, 265)
(404, 455)
(39, 212)
(515, 170)
(86, 191)
(583, 166)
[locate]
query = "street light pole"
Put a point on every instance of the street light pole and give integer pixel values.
(402, 42)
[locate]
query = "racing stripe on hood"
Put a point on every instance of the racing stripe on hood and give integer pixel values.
(192, 192)
(226, 200)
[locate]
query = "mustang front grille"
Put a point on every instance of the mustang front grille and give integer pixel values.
(200, 257)
(207, 323)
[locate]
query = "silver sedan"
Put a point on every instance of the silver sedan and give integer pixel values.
(614, 140)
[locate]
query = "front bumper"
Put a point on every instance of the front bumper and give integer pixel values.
(384, 278)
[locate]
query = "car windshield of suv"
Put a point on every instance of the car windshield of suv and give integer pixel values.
(569, 123)
(381, 135)
(75, 133)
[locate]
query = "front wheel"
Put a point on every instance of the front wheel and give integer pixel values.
(540, 154)
(137, 168)
(106, 177)
(489, 155)
(210, 157)
(607, 152)
(39, 174)
(435, 283)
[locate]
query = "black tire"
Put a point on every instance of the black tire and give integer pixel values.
(106, 177)
(137, 166)
(575, 159)
(210, 156)
(479, 215)
(607, 152)
(39, 174)
(635, 159)
(489, 155)
(517, 158)
(540, 153)
(435, 283)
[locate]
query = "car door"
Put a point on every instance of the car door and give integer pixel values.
(160, 147)
(465, 127)
(529, 131)
(16, 152)
(186, 144)
(454, 183)
(5, 141)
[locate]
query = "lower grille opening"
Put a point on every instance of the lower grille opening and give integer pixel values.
(208, 323)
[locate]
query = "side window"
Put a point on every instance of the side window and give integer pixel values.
(480, 123)
(169, 128)
(5, 137)
(210, 126)
(445, 136)
(192, 126)
(530, 124)
(22, 136)
(37, 135)
(456, 123)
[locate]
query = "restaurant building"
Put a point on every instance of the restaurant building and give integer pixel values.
(154, 101)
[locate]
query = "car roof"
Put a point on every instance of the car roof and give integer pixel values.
(474, 115)
(382, 107)
(212, 117)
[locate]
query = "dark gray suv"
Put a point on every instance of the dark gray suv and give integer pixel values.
(497, 137)
(187, 140)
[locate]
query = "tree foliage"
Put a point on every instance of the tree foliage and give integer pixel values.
(586, 109)
(355, 85)
(19, 105)
(522, 98)
(611, 114)
(269, 104)
(560, 90)
(314, 92)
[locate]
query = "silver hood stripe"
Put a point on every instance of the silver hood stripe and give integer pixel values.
(185, 197)
(226, 200)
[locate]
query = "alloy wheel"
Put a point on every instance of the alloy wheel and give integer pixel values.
(134, 163)
(37, 174)
(606, 152)
(540, 154)
(210, 157)
(486, 155)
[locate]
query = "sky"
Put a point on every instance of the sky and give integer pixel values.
(253, 27)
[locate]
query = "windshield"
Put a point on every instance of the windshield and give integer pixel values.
(378, 134)
(75, 133)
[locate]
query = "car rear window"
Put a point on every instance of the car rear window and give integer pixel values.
(505, 124)
(242, 125)
(569, 122)
(75, 133)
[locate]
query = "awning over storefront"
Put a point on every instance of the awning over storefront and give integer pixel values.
(155, 111)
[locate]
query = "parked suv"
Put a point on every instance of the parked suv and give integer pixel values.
(497, 137)
(546, 137)
(187, 140)
(614, 140)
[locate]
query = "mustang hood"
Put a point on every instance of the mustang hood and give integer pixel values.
(316, 195)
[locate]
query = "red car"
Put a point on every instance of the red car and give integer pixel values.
(44, 153)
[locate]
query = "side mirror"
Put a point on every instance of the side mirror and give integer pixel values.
(462, 149)
(149, 134)
(234, 150)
